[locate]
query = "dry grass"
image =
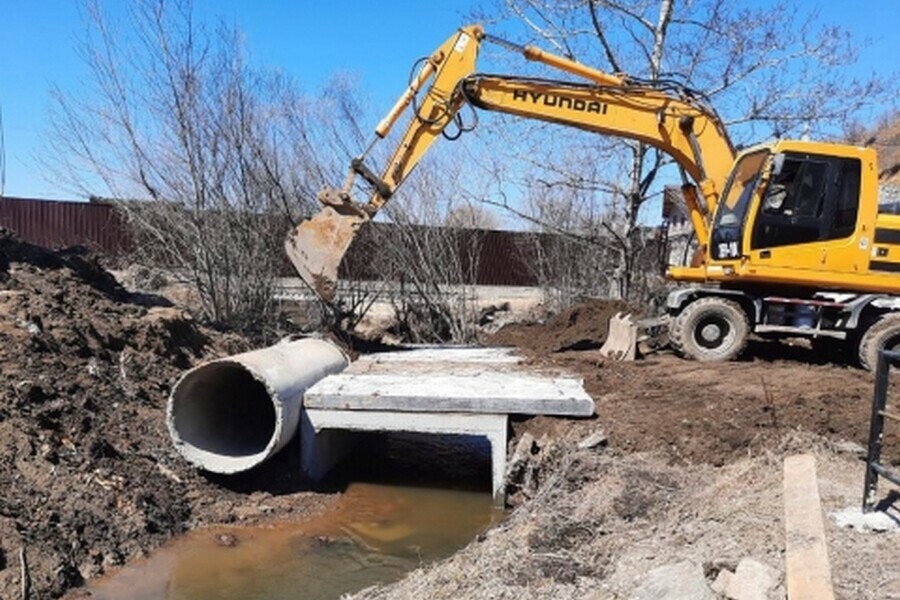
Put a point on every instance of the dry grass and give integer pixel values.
(601, 521)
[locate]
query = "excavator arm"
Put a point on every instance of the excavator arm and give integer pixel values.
(667, 117)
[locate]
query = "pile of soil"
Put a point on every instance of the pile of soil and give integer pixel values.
(581, 327)
(714, 413)
(89, 477)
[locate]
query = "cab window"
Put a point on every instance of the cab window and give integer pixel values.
(729, 221)
(813, 198)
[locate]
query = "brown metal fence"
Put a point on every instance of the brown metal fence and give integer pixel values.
(58, 224)
(505, 257)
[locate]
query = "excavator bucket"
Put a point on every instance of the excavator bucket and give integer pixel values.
(621, 340)
(317, 245)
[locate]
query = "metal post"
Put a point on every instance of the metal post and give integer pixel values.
(876, 427)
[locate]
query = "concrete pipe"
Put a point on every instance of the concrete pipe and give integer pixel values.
(231, 414)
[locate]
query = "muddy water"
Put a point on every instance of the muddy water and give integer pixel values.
(375, 533)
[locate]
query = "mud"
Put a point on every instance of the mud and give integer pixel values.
(702, 413)
(697, 412)
(89, 478)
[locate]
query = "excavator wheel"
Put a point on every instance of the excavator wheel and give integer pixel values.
(710, 329)
(883, 334)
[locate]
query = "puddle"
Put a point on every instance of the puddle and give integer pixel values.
(374, 534)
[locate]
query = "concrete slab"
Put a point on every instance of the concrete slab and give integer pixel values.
(446, 354)
(324, 435)
(432, 389)
(482, 392)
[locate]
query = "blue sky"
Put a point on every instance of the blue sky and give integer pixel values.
(374, 41)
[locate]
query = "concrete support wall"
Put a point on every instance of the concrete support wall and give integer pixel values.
(325, 439)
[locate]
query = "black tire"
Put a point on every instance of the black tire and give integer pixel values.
(883, 334)
(710, 329)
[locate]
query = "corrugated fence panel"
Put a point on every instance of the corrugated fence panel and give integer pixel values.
(507, 258)
(58, 224)
(504, 257)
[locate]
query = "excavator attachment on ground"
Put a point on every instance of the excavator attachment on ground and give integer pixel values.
(621, 339)
(629, 337)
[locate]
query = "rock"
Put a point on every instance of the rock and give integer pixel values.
(722, 580)
(226, 540)
(681, 581)
(752, 580)
(519, 459)
(598, 438)
(246, 511)
(523, 468)
(876, 521)
(848, 447)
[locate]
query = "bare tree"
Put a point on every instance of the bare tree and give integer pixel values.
(411, 259)
(769, 70)
(884, 136)
(433, 266)
(470, 215)
(213, 160)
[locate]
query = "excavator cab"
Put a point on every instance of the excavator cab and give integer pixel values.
(791, 212)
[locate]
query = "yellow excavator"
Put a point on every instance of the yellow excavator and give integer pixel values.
(791, 240)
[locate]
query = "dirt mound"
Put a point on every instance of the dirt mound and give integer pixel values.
(580, 327)
(697, 412)
(89, 477)
(714, 413)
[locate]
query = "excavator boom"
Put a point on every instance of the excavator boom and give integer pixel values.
(318, 244)
(668, 117)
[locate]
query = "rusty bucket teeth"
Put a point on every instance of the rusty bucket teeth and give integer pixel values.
(317, 245)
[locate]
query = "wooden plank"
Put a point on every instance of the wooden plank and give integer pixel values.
(808, 569)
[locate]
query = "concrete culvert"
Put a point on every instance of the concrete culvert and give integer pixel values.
(231, 414)
(228, 411)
